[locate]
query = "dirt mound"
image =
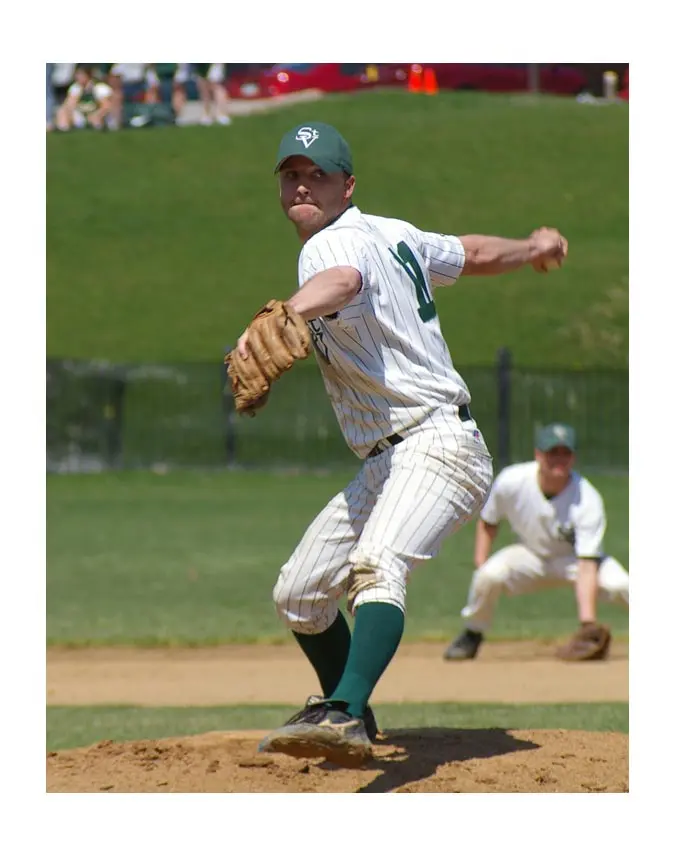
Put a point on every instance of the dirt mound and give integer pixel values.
(425, 760)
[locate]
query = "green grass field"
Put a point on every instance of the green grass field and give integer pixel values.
(70, 727)
(181, 558)
(161, 243)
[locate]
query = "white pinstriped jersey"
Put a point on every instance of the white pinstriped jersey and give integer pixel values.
(383, 358)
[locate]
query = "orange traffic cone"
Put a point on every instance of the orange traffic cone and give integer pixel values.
(415, 78)
(429, 82)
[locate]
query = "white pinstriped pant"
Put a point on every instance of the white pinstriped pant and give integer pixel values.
(517, 570)
(394, 514)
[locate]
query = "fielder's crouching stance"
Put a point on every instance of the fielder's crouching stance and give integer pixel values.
(365, 299)
(559, 518)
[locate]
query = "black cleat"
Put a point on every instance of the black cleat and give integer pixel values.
(368, 717)
(323, 729)
(370, 724)
(465, 646)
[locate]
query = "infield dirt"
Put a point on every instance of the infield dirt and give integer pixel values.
(416, 760)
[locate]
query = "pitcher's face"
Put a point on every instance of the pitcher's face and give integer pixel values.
(310, 197)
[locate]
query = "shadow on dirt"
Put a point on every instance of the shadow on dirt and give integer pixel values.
(422, 751)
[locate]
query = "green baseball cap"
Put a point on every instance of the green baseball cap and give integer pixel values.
(321, 143)
(554, 435)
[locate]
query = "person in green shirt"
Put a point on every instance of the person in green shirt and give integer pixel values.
(88, 102)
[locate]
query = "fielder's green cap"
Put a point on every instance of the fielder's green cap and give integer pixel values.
(554, 435)
(321, 143)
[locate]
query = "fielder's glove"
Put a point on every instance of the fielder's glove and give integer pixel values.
(591, 641)
(278, 336)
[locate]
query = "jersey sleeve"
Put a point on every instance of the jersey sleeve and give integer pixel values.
(335, 248)
(74, 91)
(102, 91)
(590, 525)
(493, 510)
(444, 257)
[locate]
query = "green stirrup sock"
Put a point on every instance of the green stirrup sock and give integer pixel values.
(328, 651)
(378, 629)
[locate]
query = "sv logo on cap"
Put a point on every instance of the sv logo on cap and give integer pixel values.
(307, 136)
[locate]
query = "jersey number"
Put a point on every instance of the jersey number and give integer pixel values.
(404, 256)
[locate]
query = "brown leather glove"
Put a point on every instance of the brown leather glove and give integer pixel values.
(278, 336)
(591, 641)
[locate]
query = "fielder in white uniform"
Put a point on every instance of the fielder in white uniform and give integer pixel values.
(366, 289)
(559, 519)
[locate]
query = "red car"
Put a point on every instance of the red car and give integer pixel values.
(623, 92)
(503, 77)
(283, 78)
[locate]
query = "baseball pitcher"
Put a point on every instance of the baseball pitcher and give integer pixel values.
(366, 300)
(559, 519)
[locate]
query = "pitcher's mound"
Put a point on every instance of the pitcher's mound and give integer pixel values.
(424, 760)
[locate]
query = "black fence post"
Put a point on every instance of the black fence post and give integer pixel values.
(504, 363)
(113, 419)
(230, 416)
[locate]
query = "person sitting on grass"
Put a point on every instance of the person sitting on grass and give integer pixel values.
(88, 102)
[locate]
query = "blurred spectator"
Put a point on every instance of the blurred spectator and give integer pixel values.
(51, 97)
(110, 72)
(212, 92)
(88, 102)
(172, 76)
(134, 77)
(62, 77)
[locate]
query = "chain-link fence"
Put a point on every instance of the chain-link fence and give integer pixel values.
(102, 416)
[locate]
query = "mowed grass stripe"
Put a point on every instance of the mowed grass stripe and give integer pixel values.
(191, 558)
(71, 727)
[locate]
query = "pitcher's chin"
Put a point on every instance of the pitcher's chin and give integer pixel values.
(304, 214)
